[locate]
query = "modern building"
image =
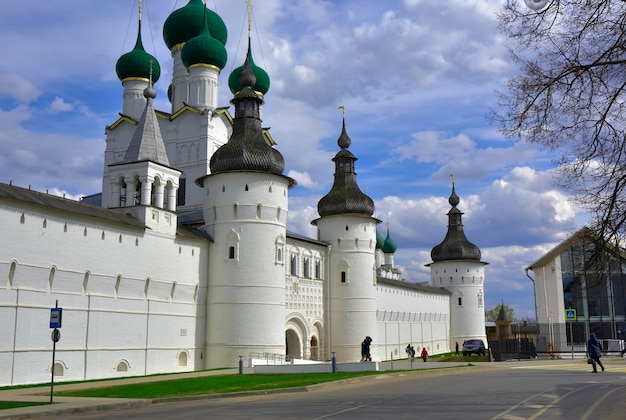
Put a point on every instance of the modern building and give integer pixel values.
(580, 288)
(185, 261)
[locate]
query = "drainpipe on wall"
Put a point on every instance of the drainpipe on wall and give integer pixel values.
(328, 287)
(534, 294)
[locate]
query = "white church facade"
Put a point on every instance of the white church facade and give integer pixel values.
(185, 261)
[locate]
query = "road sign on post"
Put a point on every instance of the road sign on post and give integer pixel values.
(56, 315)
(570, 314)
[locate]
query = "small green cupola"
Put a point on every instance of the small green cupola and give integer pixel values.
(138, 64)
(187, 22)
(262, 84)
(389, 246)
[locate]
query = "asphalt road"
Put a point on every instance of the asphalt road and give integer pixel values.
(530, 392)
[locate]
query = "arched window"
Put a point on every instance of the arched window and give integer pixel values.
(182, 358)
(293, 265)
(57, 369)
(232, 246)
(53, 271)
(122, 366)
(12, 269)
(306, 268)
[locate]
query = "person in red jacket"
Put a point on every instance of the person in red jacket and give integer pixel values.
(424, 353)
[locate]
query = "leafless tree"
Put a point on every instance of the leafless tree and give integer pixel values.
(570, 97)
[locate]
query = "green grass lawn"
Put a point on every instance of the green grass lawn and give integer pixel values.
(5, 405)
(212, 385)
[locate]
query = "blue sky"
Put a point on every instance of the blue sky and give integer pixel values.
(417, 79)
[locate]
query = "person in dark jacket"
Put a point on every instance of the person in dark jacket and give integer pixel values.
(365, 349)
(595, 352)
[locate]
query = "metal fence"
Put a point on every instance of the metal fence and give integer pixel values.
(558, 341)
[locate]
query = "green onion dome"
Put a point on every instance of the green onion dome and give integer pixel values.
(262, 84)
(186, 22)
(137, 63)
(389, 247)
(204, 49)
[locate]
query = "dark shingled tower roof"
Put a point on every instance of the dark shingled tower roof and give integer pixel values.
(345, 197)
(455, 246)
(247, 149)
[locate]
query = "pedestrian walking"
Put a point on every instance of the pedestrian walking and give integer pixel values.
(424, 354)
(595, 352)
(410, 351)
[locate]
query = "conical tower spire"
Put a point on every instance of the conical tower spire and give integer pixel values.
(147, 142)
(455, 246)
(345, 197)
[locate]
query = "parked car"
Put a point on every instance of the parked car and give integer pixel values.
(473, 346)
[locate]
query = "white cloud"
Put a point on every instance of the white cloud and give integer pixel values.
(17, 87)
(59, 105)
(303, 179)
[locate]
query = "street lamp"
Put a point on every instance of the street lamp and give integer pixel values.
(536, 5)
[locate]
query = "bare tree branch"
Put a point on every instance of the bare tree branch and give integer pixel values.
(570, 96)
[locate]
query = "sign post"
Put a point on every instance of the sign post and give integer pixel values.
(56, 316)
(570, 317)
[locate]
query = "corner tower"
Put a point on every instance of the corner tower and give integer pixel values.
(245, 212)
(457, 268)
(346, 223)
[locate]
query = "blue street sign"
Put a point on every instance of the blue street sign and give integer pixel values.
(570, 315)
(55, 317)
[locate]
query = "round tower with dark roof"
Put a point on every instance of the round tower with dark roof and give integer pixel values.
(347, 224)
(245, 213)
(457, 268)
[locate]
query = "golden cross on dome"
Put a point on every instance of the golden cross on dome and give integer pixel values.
(249, 17)
(343, 110)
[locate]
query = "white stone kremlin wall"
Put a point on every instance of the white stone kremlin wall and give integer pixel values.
(133, 302)
(465, 282)
(411, 315)
(245, 213)
(353, 301)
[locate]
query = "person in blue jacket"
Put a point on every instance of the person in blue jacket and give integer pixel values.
(595, 352)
